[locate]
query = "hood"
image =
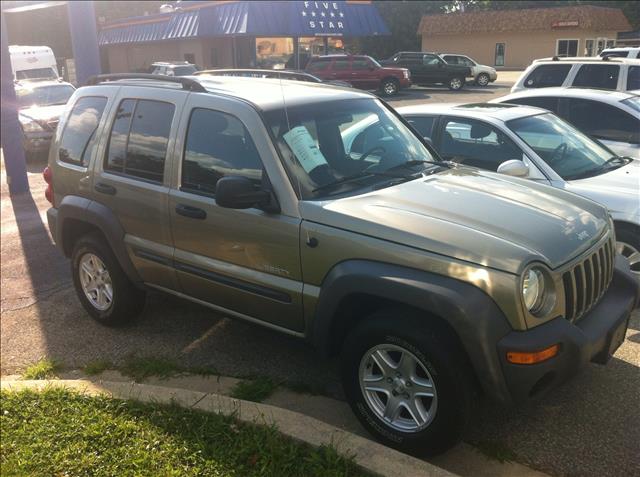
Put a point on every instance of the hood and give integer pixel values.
(480, 217)
(43, 113)
(617, 190)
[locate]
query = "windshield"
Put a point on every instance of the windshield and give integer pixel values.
(569, 152)
(633, 103)
(44, 95)
(36, 73)
(337, 147)
(184, 70)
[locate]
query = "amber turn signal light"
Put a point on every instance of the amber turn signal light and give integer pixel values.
(520, 357)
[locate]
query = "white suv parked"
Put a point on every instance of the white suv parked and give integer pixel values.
(621, 74)
(482, 74)
(626, 52)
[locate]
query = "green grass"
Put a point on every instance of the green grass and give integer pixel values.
(43, 369)
(496, 450)
(60, 432)
(97, 367)
(256, 390)
(140, 368)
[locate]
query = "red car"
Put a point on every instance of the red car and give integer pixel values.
(361, 71)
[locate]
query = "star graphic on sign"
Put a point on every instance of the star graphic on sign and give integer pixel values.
(341, 15)
(332, 14)
(313, 14)
(304, 14)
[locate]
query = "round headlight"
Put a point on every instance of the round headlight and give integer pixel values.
(533, 290)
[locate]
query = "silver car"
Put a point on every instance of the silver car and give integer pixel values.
(535, 144)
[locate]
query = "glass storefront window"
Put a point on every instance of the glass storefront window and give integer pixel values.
(273, 53)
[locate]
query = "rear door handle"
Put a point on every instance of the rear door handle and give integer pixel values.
(191, 212)
(105, 188)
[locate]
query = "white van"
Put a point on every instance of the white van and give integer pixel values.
(33, 62)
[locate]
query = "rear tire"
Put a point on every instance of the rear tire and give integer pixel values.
(456, 83)
(103, 288)
(390, 87)
(438, 360)
(483, 79)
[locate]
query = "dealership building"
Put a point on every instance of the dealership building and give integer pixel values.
(514, 38)
(223, 34)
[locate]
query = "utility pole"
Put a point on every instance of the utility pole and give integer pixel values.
(84, 39)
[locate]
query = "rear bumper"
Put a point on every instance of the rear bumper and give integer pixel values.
(405, 83)
(52, 221)
(594, 338)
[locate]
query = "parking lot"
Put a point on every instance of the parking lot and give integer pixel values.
(590, 426)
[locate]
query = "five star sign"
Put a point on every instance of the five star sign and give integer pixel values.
(324, 17)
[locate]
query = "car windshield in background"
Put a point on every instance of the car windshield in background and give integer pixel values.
(569, 152)
(184, 70)
(335, 147)
(44, 95)
(633, 103)
(36, 73)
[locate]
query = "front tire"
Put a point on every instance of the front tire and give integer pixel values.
(406, 382)
(456, 83)
(103, 288)
(628, 245)
(483, 79)
(390, 87)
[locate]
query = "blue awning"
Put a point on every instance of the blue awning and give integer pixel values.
(277, 18)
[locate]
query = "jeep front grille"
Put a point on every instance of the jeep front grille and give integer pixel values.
(586, 282)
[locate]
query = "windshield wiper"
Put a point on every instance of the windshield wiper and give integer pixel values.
(604, 167)
(415, 162)
(355, 177)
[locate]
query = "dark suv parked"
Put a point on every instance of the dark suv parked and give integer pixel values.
(361, 71)
(429, 68)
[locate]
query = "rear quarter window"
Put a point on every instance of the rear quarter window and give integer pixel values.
(80, 130)
(597, 76)
(633, 78)
(545, 76)
(318, 65)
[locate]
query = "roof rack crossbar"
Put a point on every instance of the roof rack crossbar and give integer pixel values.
(187, 83)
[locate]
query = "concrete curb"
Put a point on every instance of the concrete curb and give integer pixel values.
(369, 455)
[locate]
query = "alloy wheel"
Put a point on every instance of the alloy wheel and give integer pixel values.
(390, 88)
(483, 79)
(95, 281)
(398, 388)
(632, 254)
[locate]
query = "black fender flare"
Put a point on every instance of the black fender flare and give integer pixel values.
(101, 217)
(471, 313)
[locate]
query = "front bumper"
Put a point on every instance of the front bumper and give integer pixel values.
(594, 338)
(37, 141)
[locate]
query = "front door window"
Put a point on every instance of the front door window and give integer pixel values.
(499, 59)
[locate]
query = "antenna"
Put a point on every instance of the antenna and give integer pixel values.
(286, 115)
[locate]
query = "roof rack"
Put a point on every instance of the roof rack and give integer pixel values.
(187, 83)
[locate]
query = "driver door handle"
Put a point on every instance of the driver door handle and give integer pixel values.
(191, 212)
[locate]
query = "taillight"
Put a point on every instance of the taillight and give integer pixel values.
(48, 178)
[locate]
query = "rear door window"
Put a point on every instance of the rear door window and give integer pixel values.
(597, 76)
(139, 138)
(318, 65)
(604, 121)
(545, 76)
(80, 130)
(340, 65)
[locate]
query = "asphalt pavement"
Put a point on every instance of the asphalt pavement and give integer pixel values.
(588, 427)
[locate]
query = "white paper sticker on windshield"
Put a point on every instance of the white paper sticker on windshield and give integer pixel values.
(305, 148)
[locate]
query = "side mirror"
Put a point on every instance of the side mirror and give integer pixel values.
(514, 167)
(237, 192)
